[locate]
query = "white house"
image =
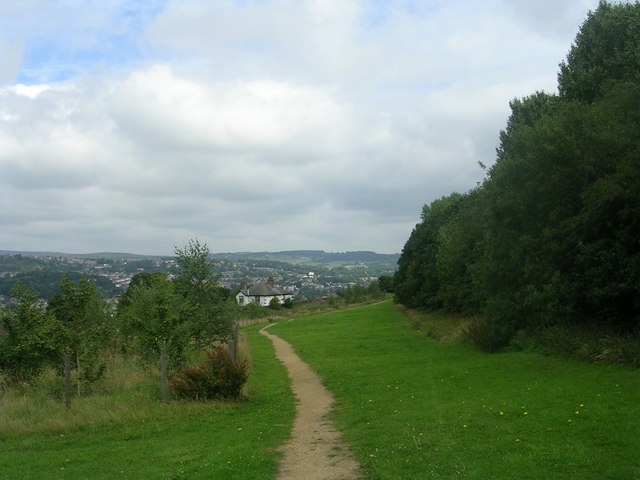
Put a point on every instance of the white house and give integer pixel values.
(262, 293)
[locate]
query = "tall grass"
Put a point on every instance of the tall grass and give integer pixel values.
(124, 395)
(413, 408)
(439, 325)
(588, 343)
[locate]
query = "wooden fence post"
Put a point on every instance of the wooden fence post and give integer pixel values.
(232, 346)
(163, 373)
(67, 381)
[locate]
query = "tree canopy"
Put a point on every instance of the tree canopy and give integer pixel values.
(552, 235)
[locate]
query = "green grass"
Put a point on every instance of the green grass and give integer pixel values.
(413, 408)
(131, 436)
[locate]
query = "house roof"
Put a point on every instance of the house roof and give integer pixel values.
(265, 289)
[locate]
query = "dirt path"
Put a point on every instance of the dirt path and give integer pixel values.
(315, 451)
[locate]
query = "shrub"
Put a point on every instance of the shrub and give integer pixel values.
(485, 334)
(254, 310)
(219, 376)
(288, 303)
(479, 334)
(275, 303)
(589, 343)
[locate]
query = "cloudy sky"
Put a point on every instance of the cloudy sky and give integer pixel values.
(136, 125)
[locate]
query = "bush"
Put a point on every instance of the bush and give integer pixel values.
(254, 310)
(288, 303)
(588, 343)
(485, 334)
(275, 304)
(219, 376)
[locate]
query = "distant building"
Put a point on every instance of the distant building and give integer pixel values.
(262, 293)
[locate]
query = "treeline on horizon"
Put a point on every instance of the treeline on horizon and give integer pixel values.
(551, 237)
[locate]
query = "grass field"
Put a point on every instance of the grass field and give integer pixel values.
(132, 436)
(413, 408)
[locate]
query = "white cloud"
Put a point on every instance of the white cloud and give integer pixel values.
(168, 112)
(257, 125)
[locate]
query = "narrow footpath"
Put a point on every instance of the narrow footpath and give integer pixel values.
(315, 451)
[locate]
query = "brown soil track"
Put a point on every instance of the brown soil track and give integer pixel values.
(315, 450)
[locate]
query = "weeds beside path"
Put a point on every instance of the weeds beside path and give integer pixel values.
(315, 451)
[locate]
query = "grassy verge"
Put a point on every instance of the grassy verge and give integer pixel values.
(130, 436)
(413, 408)
(253, 314)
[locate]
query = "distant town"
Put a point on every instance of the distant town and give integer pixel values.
(307, 273)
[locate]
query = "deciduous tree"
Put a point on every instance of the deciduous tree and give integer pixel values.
(86, 329)
(159, 315)
(28, 336)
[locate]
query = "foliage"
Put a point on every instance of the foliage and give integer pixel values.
(85, 328)
(589, 342)
(254, 310)
(213, 311)
(374, 291)
(156, 313)
(416, 281)
(353, 294)
(605, 53)
(47, 281)
(550, 237)
(386, 283)
(220, 376)
(288, 303)
(275, 303)
(164, 315)
(27, 338)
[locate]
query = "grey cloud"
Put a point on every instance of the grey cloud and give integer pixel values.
(271, 125)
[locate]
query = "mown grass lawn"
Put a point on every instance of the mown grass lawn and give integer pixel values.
(147, 440)
(413, 408)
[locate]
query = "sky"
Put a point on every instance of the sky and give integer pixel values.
(256, 125)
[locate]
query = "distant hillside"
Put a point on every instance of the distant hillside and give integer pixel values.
(315, 256)
(291, 256)
(79, 255)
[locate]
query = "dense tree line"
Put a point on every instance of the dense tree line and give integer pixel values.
(552, 235)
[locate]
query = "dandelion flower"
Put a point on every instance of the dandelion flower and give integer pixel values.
(525, 413)
(501, 414)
